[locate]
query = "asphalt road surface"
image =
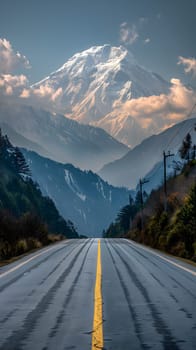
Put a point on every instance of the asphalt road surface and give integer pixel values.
(87, 295)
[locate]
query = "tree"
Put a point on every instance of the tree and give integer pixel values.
(3, 140)
(20, 163)
(184, 227)
(124, 217)
(186, 146)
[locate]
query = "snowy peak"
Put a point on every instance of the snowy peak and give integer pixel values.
(98, 64)
(95, 85)
(99, 55)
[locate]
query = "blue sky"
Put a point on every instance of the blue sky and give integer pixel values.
(49, 32)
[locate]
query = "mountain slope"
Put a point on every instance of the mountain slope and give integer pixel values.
(20, 196)
(96, 83)
(138, 162)
(81, 196)
(57, 137)
(175, 230)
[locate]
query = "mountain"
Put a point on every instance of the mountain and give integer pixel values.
(21, 198)
(96, 83)
(138, 162)
(58, 137)
(81, 196)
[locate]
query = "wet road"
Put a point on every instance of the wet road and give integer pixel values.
(47, 299)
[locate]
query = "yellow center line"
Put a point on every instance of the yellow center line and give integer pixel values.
(97, 334)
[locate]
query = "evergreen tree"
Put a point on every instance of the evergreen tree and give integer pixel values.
(2, 143)
(184, 227)
(20, 163)
(123, 221)
(186, 146)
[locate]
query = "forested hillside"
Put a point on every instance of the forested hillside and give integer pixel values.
(26, 217)
(172, 230)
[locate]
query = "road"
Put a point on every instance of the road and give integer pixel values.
(87, 294)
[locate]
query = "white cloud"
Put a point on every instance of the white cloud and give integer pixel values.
(189, 63)
(47, 92)
(9, 59)
(17, 86)
(25, 93)
(128, 34)
(147, 41)
(14, 80)
(12, 84)
(158, 111)
(138, 118)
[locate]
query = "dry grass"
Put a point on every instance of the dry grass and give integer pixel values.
(52, 239)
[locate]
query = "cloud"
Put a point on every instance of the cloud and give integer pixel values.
(25, 93)
(147, 41)
(128, 34)
(45, 91)
(155, 113)
(12, 85)
(9, 59)
(17, 86)
(134, 120)
(189, 63)
(158, 111)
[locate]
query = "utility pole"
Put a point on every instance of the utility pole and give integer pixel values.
(165, 156)
(142, 182)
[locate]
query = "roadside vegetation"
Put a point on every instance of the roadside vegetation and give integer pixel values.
(172, 230)
(28, 220)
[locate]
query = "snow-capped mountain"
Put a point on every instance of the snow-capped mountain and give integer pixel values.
(138, 162)
(97, 82)
(58, 137)
(81, 196)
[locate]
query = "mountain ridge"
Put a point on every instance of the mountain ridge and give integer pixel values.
(58, 137)
(139, 161)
